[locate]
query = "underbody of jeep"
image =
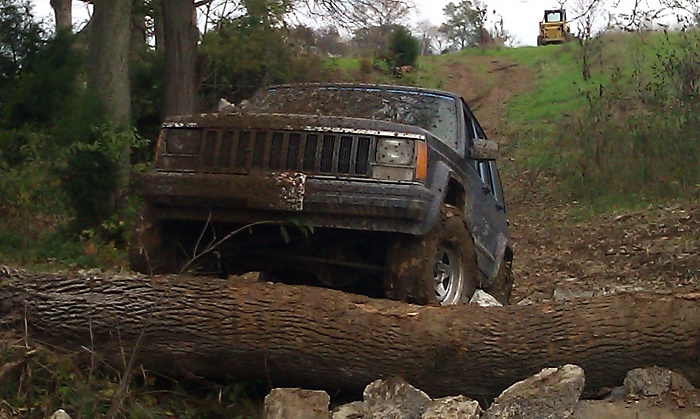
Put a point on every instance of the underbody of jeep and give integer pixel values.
(294, 195)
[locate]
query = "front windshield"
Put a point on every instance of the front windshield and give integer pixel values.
(433, 112)
(554, 16)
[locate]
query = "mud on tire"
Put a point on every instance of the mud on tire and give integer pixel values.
(438, 268)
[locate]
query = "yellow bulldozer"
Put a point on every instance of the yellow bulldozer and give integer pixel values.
(554, 29)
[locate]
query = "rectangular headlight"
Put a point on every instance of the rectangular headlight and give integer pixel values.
(183, 140)
(395, 151)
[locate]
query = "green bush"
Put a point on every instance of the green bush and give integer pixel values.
(20, 37)
(90, 182)
(404, 48)
(47, 87)
(30, 197)
(365, 65)
(638, 138)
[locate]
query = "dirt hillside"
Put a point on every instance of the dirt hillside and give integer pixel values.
(654, 248)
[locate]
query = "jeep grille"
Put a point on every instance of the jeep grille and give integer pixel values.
(243, 151)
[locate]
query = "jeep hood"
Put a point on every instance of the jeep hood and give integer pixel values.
(291, 122)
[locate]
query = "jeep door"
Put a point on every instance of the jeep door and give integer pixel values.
(485, 208)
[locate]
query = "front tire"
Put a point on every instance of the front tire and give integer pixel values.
(438, 268)
(502, 286)
(153, 248)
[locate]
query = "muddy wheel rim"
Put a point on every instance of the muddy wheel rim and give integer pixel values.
(448, 276)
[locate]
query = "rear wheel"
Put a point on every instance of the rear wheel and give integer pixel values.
(438, 268)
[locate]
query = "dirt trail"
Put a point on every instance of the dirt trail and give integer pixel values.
(556, 258)
(655, 248)
(488, 84)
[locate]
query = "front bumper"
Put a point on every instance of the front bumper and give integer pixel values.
(290, 196)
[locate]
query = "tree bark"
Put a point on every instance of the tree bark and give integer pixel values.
(63, 12)
(320, 338)
(158, 31)
(181, 36)
(108, 69)
(108, 72)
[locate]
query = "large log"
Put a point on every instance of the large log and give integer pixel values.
(320, 338)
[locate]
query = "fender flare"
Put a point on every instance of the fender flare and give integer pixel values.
(438, 187)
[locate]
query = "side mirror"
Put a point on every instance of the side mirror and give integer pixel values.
(484, 149)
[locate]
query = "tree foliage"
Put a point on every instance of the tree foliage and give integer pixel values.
(383, 13)
(46, 84)
(329, 41)
(372, 41)
(464, 20)
(689, 10)
(246, 53)
(404, 48)
(354, 14)
(20, 37)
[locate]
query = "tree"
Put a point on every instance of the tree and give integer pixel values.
(588, 12)
(483, 36)
(63, 12)
(688, 7)
(46, 86)
(384, 13)
(108, 82)
(461, 24)
(372, 41)
(313, 337)
(20, 36)
(181, 37)
(499, 34)
(357, 14)
(404, 48)
(427, 34)
(328, 41)
(244, 54)
(108, 61)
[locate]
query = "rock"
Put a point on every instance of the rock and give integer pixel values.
(526, 301)
(644, 408)
(453, 407)
(354, 410)
(225, 106)
(654, 381)
(294, 403)
(394, 399)
(60, 414)
(565, 292)
(551, 393)
(483, 299)
(617, 393)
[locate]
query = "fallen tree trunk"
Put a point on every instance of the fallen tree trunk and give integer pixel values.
(320, 338)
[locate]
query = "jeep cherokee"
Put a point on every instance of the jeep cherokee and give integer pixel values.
(383, 189)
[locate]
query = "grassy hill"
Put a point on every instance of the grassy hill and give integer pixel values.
(611, 122)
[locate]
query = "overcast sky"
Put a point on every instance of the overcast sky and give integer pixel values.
(520, 17)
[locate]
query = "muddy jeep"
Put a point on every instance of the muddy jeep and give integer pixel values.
(384, 190)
